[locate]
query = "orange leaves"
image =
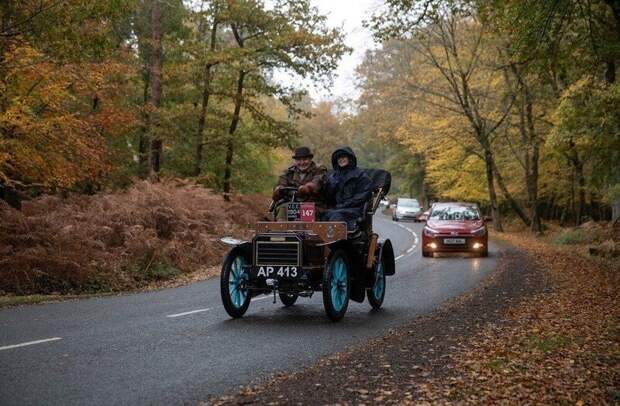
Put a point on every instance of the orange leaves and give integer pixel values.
(55, 117)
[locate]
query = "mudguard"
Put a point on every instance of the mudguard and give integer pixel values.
(244, 246)
(387, 253)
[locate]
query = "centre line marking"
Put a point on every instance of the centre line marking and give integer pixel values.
(190, 312)
(261, 298)
(8, 347)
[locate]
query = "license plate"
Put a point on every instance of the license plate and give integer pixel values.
(454, 241)
(268, 271)
(297, 211)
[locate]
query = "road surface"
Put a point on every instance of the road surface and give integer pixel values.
(179, 346)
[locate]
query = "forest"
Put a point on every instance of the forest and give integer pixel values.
(509, 103)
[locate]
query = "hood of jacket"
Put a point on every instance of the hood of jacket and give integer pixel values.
(347, 151)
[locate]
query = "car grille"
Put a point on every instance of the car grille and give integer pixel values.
(277, 253)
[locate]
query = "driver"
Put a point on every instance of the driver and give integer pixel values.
(305, 175)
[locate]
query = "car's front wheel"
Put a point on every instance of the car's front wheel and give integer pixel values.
(336, 286)
(288, 299)
(233, 284)
(376, 293)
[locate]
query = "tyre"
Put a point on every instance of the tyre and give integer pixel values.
(394, 218)
(376, 293)
(484, 253)
(288, 299)
(233, 280)
(427, 254)
(336, 286)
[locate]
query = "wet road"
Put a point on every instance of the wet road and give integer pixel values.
(179, 346)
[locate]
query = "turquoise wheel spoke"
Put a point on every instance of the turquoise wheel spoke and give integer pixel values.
(338, 283)
(236, 278)
(379, 285)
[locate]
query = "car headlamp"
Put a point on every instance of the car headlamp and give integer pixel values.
(429, 232)
(479, 232)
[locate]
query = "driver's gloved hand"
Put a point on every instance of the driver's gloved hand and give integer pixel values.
(307, 190)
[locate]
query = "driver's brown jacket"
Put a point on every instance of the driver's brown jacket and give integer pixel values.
(316, 174)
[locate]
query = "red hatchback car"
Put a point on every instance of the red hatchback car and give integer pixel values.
(455, 227)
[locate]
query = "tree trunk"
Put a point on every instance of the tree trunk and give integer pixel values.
(549, 214)
(155, 74)
(206, 93)
(532, 175)
(497, 221)
(513, 203)
(531, 154)
(231, 131)
(143, 140)
(201, 123)
(582, 192)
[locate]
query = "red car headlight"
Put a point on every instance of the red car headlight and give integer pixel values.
(429, 232)
(479, 232)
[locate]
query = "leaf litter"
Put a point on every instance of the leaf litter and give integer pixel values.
(543, 329)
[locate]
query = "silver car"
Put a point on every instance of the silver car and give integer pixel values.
(407, 209)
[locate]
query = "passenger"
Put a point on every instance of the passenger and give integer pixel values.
(305, 175)
(348, 189)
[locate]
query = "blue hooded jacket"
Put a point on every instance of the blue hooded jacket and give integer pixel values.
(348, 187)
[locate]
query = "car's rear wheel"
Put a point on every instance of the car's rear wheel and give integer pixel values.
(233, 284)
(288, 299)
(376, 293)
(336, 286)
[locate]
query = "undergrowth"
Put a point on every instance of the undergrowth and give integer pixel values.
(118, 241)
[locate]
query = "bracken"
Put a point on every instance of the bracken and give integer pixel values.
(118, 241)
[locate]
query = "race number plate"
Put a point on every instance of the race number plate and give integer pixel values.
(269, 271)
(297, 211)
(453, 241)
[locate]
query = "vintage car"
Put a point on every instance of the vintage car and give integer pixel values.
(302, 256)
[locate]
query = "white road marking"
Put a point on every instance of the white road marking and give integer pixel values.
(261, 298)
(8, 347)
(190, 312)
(415, 242)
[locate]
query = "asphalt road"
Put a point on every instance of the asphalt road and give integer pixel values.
(178, 346)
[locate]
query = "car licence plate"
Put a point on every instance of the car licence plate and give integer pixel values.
(453, 241)
(272, 271)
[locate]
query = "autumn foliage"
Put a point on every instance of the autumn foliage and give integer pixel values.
(112, 242)
(57, 117)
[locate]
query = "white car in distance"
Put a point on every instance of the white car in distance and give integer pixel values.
(406, 209)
